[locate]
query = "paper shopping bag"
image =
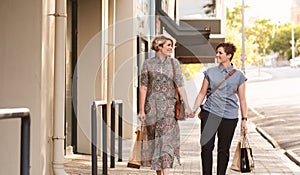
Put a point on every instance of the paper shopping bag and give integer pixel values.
(135, 156)
(237, 158)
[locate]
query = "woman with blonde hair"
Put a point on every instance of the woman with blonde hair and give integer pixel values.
(157, 107)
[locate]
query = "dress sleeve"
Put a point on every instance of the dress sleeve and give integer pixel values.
(178, 77)
(144, 74)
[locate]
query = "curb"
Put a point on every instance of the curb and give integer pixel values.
(265, 135)
(254, 77)
(290, 154)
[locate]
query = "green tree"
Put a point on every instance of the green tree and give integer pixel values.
(262, 31)
(189, 70)
(281, 42)
(233, 32)
(234, 35)
(297, 47)
(257, 36)
(234, 18)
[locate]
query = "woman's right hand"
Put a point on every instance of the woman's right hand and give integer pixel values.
(142, 116)
(188, 112)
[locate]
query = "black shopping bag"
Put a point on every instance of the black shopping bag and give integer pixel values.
(247, 161)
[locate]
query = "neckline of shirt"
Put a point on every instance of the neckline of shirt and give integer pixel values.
(227, 70)
(158, 60)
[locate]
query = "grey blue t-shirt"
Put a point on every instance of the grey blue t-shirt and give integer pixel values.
(224, 101)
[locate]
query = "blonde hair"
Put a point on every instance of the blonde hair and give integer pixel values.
(160, 41)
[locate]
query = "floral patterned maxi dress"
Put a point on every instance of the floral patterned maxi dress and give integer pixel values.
(161, 138)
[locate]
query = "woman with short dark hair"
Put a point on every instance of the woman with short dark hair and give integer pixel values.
(220, 110)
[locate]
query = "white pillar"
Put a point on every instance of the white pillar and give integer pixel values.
(59, 87)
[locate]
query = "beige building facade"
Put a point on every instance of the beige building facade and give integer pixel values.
(57, 57)
(295, 11)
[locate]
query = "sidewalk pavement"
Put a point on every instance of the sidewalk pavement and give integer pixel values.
(268, 160)
(257, 75)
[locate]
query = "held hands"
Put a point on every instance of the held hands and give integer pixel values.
(194, 112)
(189, 113)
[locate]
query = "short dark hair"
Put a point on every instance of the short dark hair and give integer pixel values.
(229, 48)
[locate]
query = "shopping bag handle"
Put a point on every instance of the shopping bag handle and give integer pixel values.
(245, 142)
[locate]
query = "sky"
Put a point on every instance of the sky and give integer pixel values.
(276, 10)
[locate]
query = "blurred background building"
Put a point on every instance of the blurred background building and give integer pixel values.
(295, 11)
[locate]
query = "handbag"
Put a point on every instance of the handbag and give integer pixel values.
(179, 104)
(247, 161)
(135, 157)
(243, 158)
(200, 113)
(201, 106)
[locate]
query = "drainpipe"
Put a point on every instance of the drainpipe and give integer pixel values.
(59, 87)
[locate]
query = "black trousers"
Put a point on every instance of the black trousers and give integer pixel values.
(212, 125)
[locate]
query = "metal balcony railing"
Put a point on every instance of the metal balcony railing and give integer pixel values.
(24, 115)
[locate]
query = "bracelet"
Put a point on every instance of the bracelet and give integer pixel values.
(244, 118)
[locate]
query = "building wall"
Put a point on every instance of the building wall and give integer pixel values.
(27, 70)
(221, 14)
(26, 55)
(90, 80)
(295, 11)
(126, 45)
(97, 33)
(192, 9)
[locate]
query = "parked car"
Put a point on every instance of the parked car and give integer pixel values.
(295, 62)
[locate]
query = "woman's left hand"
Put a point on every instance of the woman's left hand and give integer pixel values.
(189, 112)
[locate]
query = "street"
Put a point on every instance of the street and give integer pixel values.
(274, 106)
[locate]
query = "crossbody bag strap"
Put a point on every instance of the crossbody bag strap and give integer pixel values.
(230, 73)
(177, 95)
(174, 74)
